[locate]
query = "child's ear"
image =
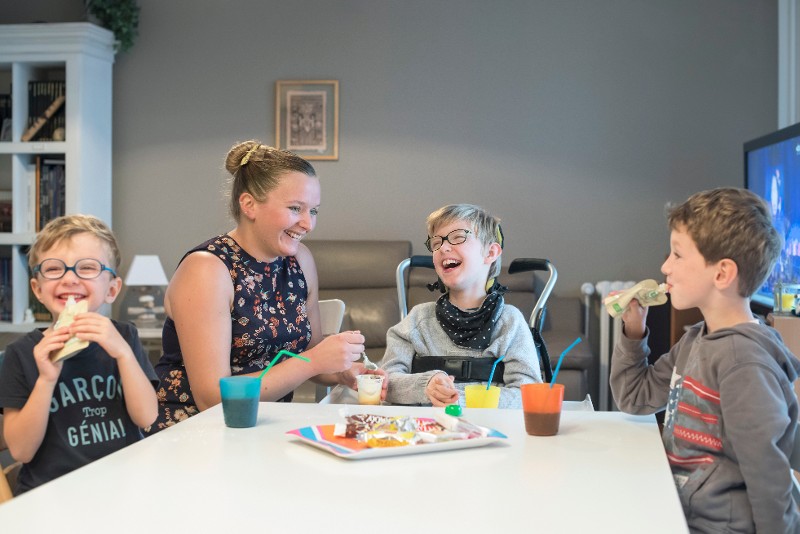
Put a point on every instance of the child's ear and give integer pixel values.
(36, 288)
(113, 290)
(492, 253)
(727, 273)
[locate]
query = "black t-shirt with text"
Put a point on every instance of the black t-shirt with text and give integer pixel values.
(88, 418)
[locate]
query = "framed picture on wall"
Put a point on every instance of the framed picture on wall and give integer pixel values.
(307, 118)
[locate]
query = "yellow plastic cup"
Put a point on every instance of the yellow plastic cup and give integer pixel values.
(479, 397)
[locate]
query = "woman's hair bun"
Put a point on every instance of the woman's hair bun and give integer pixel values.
(240, 154)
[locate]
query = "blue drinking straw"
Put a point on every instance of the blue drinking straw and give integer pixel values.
(491, 375)
(561, 359)
(281, 353)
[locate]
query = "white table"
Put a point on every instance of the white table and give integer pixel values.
(604, 471)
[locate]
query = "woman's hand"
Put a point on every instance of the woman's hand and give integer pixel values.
(336, 353)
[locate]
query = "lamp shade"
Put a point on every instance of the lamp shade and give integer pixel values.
(146, 270)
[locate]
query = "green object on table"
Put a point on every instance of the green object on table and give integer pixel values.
(453, 409)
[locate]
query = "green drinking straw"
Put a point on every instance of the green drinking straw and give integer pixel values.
(491, 374)
(281, 353)
(561, 359)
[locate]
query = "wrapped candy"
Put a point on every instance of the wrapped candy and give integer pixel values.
(392, 431)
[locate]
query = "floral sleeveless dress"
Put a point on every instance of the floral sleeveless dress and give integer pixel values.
(268, 315)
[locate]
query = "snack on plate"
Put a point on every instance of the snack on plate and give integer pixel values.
(396, 431)
(379, 438)
(398, 424)
(459, 425)
(73, 344)
(359, 424)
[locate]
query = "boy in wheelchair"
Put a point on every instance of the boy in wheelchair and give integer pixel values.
(442, 346)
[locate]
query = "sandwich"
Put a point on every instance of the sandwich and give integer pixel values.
(73, 344)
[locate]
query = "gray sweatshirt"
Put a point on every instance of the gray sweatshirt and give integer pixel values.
(420, 333)
(730, 422)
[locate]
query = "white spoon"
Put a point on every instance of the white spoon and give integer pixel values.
(368, 364)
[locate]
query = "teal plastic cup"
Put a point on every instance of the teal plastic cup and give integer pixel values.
(240, 397)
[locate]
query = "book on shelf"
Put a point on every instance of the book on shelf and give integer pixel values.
(5, 117)
(5, 130)
(5, 289)
(50, 189)
(5, 211)
(46, 114)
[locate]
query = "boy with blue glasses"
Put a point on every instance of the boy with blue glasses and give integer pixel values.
(62, 411)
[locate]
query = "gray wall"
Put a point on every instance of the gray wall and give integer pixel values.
(573, 120)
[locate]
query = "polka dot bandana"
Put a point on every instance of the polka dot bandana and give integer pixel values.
(471, 328)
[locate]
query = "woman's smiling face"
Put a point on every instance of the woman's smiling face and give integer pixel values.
(287, 215)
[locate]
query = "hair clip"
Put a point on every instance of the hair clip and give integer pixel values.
(246, 157)
(490, 284)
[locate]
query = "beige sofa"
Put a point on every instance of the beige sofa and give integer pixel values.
(362, 274)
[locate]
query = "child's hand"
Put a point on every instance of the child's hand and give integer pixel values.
(52, 341)
(92, 326)
(380, 372)
(634, 317)
(348, 378)
(440, 390)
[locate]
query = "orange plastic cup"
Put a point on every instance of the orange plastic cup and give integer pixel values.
(542, 407)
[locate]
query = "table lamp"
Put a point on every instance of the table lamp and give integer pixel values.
(144, 298)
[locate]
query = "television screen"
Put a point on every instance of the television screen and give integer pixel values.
(772, 170)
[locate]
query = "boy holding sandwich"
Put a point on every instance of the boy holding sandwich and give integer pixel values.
(731, 410)
(66, 408)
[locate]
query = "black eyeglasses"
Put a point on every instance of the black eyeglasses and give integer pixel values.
(86, 269)
(456, 237)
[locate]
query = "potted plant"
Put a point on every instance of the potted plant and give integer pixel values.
(119, 16)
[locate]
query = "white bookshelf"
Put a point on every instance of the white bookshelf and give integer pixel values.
(82, 55)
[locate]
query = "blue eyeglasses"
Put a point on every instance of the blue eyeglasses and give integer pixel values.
(86, 269)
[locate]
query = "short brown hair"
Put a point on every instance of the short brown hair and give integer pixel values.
(484, 224)
(731, 223)
(257, 168)
(64, 228)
